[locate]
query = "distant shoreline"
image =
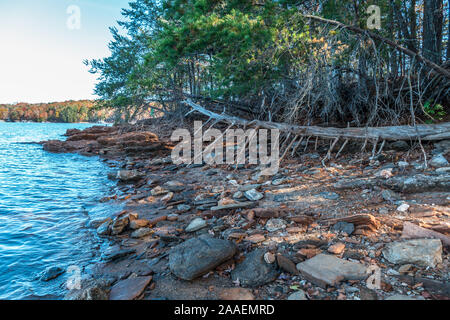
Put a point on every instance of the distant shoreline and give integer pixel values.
(86, 122)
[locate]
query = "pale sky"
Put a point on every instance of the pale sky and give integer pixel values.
(41, 58)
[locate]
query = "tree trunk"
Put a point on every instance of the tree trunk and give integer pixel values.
(448, 39)
(432, 132)
(432, 30)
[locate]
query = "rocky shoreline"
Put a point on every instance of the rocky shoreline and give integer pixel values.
(358, 229)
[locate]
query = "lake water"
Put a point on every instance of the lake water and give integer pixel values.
(46, 202)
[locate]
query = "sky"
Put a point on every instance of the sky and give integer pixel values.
(43, 45)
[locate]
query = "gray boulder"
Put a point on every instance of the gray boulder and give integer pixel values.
(197, 256)
(254, 271)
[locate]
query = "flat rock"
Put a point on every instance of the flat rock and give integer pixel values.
(129, 289)
(298, 295)
(129, 175)
(139, 223)
(114, 253)
(403, 297)
(256, 238)
(329, 195)
(196, 224)
(422, 252)
(325, 269)
(183, 207)
(197, 256)
(413, 231)
(343, 226)
(142, 232)
(254, 271)
(158, 191)
(236, 294)
(174, 186)
(234, 206)
(253, 195)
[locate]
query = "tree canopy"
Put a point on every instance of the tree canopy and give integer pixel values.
(267, 58)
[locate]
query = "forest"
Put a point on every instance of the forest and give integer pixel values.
(346, 63)
(67, 112)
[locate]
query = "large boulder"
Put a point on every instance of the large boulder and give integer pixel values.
(197, 256)
(254, 271)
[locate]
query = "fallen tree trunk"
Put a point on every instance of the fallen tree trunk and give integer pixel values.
(431, 132)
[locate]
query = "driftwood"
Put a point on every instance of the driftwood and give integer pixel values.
(431, 132)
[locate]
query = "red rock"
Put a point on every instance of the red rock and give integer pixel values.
(154, 221)
(256, 238)
(309, 253)
(337, 248)
(137, 224)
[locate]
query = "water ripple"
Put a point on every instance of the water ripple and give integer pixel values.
(46, 201)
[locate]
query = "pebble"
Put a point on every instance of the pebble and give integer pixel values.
(337, 248)
(158, 191)
(269, 257)
(236, 294)
(403, 208)
(183, 208)
(253, 195)
(196, 224)
(329, 195)
(137, 224)
(298, 295)
(275, 224)
(439, 161)
(343, 226)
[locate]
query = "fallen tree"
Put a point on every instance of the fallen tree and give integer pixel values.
(425, 132)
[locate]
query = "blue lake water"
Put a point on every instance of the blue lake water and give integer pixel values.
(46, 202)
